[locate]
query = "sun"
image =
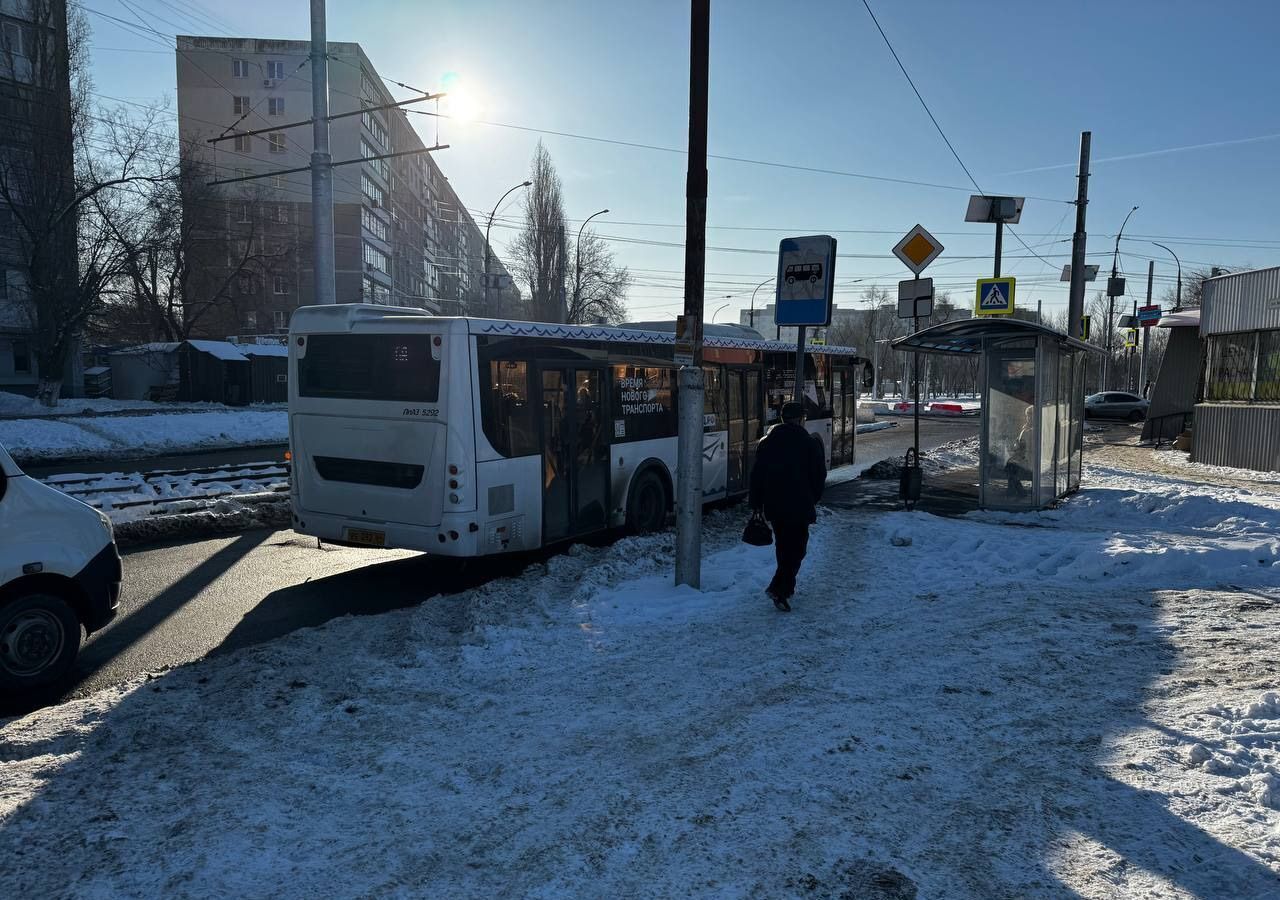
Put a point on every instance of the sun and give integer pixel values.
(461, 102)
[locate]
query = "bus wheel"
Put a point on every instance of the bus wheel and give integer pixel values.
(39, 639)
(647, 505)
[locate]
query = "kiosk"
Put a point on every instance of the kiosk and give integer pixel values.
(1031, 384)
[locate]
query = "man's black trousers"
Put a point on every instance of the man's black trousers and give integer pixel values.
(790, 541)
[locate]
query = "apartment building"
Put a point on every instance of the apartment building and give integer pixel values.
(401, 235)
(36, 177)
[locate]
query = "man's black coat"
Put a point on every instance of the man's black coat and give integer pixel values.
(789, 474)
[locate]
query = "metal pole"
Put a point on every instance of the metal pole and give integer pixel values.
(752, 315)
(1146, 332)
(916, 378)
(577, 266)
(485, 311)
(323, 265)
(689, 442)
(1111, 300)
(562, 313)
(1075, 303)
(797, 389)
(999, 244)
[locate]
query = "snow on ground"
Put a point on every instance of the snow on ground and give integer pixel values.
(971, 714)
(20, 406)
(126, 496)
(103, 437)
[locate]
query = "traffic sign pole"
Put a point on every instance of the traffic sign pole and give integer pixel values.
(999, 246)
(1146, 332)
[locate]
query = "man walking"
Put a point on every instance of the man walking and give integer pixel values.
(786, 484)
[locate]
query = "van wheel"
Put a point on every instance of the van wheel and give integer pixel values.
(647, 505)
(39, 639)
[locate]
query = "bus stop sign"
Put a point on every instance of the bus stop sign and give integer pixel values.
(806, 280)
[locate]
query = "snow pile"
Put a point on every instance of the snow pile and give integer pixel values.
(588, 729)
(48, 439)
(21, 406)
(1183, 461)
(226, 516)
(1141, 532)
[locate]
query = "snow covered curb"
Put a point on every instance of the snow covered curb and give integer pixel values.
(89, 438)
(973, 729)
(875, 426)
(267, 510)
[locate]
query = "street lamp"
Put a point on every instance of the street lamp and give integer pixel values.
(492, 213)
(1177, 303)
(577, 269)
(751, 317)
(1113, 290)
(721, 309)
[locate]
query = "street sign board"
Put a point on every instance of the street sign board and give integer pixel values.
(1131, 337)
(994, 297)
(1127, 321)
(915, 298)
(1090, 273)
(1084, 328)
(985, 208)
(686, 339)
(806, 280)
(917, 249)
(1149, 315)
(1115, 287)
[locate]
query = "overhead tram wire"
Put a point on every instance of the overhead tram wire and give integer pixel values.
(934, 120)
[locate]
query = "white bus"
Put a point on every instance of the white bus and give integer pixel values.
(469, 437)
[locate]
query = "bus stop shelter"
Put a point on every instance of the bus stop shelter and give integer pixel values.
(1031, 385)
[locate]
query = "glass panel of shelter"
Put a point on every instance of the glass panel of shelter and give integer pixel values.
(1009, 443)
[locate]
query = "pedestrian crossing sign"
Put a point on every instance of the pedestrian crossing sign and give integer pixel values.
(994, 297)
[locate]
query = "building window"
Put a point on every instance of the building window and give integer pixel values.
(372, 192)
(275, 69)
(239, 68)
(251, 321)
(379, 165)
(374, 292)
(245, 213)
(242, 143)
(373, 224)
(278, 182)
(1231, 360)
(282, 214)
(21, 358)
(275, 106)
(280, 318)
(239, 106)
(1268, 390)
(244, 282)
(11, 40)
(376, 259)
(376, 131)
(275, 141)
(279, 285)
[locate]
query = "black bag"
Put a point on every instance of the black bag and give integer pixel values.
(757, 533)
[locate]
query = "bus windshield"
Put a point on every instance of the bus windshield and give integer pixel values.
(396, 367)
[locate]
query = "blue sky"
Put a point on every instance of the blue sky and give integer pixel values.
(813, 84)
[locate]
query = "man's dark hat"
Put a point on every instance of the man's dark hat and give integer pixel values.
(792, 409)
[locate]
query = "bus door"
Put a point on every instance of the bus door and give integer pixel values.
(575, 452)
(744, 425)
(844, 405)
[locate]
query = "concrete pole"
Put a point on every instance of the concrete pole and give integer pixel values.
(1075, 305)
(321, 163)
(689, 441)
(562, 315)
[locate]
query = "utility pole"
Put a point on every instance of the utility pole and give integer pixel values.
(1146, 333)
(562, 276)
(1114, 290)
(689, 446)
(1075, 303)
(321, 163)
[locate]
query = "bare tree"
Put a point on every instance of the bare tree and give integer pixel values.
(61, 177)
(182, 267)
(536, 253)
(599, 284)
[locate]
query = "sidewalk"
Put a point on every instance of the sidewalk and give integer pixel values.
(1076, 702)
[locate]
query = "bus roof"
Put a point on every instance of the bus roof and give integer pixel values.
(343, 316)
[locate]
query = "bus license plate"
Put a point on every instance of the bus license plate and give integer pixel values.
(366, 537)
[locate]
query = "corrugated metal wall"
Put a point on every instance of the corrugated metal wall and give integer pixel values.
(1236, 434)
(1244, 302)
(1175, 388)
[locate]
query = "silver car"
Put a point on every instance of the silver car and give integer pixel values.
(1116, 405)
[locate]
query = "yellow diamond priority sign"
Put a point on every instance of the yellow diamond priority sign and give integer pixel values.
(917, 249)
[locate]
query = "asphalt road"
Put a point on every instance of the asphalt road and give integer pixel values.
(184, 601)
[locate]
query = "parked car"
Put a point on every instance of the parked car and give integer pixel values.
(1116, 405)
(59, 572)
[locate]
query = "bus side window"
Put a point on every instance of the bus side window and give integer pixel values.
(508, 415)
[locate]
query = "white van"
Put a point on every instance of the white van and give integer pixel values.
(59, 570)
